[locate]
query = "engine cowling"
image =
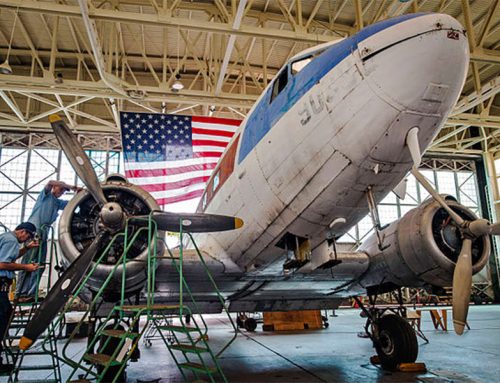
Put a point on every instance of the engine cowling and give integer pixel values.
(79, 224)
(421, 248)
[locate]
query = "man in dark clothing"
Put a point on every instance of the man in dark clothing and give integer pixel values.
(10, 250)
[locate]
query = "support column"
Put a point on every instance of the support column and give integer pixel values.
(489, 195)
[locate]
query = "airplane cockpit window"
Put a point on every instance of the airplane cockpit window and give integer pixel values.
(298, 65)
(280, 83)
(216, 180)
(204, 201)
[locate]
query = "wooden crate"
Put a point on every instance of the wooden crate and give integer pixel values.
(292, 320)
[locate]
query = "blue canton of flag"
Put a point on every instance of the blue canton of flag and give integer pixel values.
(153, 137)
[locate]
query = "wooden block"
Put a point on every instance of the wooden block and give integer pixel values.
(293, 320)
(412, 367)
(267, 327)
(288, 326)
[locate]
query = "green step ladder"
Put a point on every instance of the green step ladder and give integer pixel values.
(190, 349)
(42, 357)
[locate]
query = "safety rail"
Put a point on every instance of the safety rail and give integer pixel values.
(114, 362)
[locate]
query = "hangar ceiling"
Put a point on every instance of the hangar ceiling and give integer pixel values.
(87, 59)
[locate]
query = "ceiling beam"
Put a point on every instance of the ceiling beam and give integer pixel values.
(98, 89)
(164, 20)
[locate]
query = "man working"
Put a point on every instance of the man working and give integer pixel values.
(9, 251)
(44, 214)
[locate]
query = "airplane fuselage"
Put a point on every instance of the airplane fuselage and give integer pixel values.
(314, 144)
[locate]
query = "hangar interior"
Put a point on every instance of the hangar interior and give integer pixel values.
(86, 60)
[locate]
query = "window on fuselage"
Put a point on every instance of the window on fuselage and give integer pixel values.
(279, 83)
(216, 181)
(221, 174)
(298, 65)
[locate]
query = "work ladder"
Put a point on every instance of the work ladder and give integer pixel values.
(114, 344)
(38, 364)
(42, 357)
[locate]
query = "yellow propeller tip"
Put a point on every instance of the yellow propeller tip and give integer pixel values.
(25, 343)
(54, 118)
(238, 222)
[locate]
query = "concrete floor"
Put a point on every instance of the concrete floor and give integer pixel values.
(335, 354)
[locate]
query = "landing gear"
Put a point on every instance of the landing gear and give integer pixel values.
(248, 323)
(396, 341)
(391, 334)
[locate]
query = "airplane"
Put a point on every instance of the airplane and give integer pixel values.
(340, 126)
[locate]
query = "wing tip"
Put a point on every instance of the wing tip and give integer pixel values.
(54, 118)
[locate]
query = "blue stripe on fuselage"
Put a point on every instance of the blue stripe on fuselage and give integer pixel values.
(265, 115)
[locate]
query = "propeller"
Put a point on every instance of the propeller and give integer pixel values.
(111, 220)
(60, 292)
(470, 230)
(462, 285)
(77, 158)
(193, 223)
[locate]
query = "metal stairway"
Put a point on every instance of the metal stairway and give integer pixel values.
(38, 364)
(113, 346)
(43, 355)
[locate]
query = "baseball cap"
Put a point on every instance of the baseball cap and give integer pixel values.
(28, 226)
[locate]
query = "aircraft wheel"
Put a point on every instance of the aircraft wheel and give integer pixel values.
(396, 342)
(250, 324)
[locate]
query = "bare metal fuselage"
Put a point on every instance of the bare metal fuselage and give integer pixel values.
(344, 135)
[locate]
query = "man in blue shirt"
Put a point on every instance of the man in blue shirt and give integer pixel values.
(10, 250)
(44, 214)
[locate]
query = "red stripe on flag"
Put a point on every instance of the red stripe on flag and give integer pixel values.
(209, 143)
(184, 197)
(175, 185)
(215, 120)
(213, 132)
(207, 154)
(168, 172)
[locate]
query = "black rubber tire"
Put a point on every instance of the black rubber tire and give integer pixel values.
(250, 324)
(397, 342)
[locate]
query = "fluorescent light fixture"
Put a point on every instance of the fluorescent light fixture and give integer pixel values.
(5, 67)
(177, 85)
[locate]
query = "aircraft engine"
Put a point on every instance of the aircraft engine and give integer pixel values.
(79, 225)
(422, 248)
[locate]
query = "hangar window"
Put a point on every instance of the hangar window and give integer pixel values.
(27, 164)
(279, 83)
(450, 176)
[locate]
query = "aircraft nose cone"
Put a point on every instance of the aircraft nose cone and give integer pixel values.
(421, 67)
(112, 215)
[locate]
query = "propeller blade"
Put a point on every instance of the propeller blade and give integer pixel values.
(60, 293)
(480, 227)
(414, 146)
(191, 222)
(77, 157)
(427, 186)
(462, 286)
(495, 229)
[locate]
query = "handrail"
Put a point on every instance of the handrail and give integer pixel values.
(219, 296)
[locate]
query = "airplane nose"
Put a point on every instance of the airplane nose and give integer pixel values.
(421, 67)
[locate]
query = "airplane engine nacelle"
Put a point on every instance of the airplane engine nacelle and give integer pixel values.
(421, 248)
(79, 224)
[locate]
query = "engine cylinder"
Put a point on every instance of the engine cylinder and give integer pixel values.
(422, 248)
(80, 222)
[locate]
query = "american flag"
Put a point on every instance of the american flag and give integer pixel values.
(172, 156)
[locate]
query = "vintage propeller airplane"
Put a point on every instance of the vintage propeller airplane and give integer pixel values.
(339, 127)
